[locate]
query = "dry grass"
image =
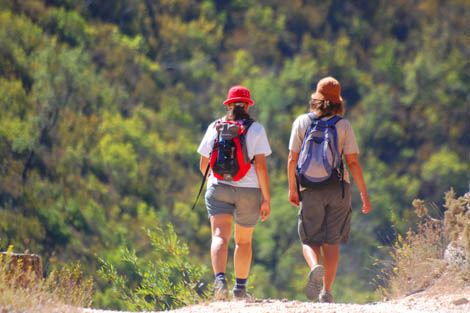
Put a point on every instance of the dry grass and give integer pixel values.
(418, 257)
(62, 291)
(417, 260)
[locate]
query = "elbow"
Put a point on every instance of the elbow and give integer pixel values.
(353, 163)
(292, 159)
(261, 167)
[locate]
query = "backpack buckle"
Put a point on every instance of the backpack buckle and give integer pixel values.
(228, 131)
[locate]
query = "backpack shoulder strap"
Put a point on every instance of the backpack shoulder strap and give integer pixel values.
(335, 119)
(247, 123)
(312, 116)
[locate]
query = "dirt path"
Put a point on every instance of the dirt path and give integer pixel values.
(431, 301)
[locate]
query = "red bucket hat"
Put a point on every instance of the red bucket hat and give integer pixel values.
(328, 88)
(238, 93)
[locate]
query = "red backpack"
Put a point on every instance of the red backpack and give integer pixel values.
(229, 157)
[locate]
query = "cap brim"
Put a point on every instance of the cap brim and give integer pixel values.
(320, 96)
(239, 99)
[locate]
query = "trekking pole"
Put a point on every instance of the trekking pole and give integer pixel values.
(202, 185)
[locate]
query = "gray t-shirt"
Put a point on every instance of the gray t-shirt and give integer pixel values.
(346, 138)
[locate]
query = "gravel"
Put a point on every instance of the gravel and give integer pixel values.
(435, 300)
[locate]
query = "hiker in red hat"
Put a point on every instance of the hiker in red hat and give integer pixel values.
(320, 185)
(234, 150)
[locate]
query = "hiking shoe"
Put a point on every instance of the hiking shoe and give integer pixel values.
(241, 294)
(220, 289)
(326, 297)
(314, 285)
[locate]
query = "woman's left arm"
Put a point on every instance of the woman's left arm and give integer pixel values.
(263, 179)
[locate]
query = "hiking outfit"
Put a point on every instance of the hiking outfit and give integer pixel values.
(235, 186)
(325, 210)
(241, 198)
(319, 184)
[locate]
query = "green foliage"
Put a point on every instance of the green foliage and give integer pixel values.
(103, 104)
(169, 280)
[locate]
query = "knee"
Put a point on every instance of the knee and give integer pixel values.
(219, 240)
(243, 242)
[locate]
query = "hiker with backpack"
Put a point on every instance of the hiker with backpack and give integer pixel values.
(233, 150)
(320, 185)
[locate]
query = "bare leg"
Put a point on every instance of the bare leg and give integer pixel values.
(221, 226)
(312, 254)
(330, 263)
(243, 251)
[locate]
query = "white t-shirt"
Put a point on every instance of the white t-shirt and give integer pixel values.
(256, 143)
(346, 138)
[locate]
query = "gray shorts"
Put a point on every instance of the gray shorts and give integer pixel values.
(243, 203)
(324, 215)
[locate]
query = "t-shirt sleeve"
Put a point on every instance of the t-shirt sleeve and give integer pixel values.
(257, 141)
(296, 136)
(350, 143)
(205, 147)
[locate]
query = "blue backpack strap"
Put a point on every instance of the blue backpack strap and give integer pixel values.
(332, 121)
(313, 117)
(335, 119)
(332, 124)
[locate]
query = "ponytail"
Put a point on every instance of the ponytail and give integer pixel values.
(237, 113)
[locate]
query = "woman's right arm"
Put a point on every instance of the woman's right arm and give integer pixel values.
(356, 171)
(291, 165)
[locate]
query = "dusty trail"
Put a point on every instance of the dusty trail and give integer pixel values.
(434, 300)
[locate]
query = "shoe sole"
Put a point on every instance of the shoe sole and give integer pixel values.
(221, 294)
(314, 285)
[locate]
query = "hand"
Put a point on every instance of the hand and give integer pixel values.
(265, 210)
(365, 203)
(294, 197)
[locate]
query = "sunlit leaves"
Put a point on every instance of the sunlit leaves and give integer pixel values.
(103, 104)
(169, 280)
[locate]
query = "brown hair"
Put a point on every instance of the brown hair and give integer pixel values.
(326, 108)
(238, 112)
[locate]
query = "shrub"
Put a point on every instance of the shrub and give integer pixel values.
(170, 281)
(417, 259)
(64, 290)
